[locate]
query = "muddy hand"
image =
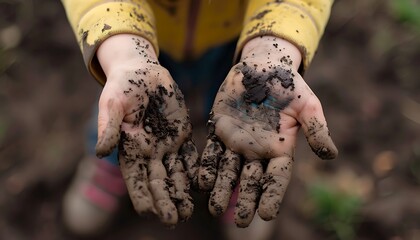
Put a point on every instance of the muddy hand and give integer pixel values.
(252, 130)
(142, 111)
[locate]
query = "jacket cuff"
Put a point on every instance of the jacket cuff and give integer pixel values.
(287, 20)
(109, 19)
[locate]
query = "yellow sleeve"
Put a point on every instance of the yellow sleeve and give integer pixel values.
(93, 21)
(301, 22)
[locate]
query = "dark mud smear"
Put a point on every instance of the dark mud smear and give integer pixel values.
(155, 120)
(260, 15)
(257, 102)
(255, 82)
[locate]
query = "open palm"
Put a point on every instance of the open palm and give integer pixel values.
(253, 127)
(142, 110)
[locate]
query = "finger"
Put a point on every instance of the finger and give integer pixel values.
(161, 186)
(134, 171)
(109, 121)
(189, 156)
(274, 184)
(248, 193)
(209, 161)
(225, 183)
(181, 184)
(316, 131)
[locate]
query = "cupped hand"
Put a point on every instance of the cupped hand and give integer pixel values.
(142, 111)
(253, 127)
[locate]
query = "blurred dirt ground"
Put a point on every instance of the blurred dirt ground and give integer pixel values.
(366, 73)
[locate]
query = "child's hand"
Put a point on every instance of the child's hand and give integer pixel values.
(142, 109)
(252, 129)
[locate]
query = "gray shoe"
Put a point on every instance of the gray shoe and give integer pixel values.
(94, 197)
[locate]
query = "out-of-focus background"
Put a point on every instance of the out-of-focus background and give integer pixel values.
(366, 73)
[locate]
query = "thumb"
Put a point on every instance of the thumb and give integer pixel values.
(316, 131)
(109, 123)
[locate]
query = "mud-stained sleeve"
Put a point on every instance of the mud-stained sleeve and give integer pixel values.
(93, 21)
(301, 22)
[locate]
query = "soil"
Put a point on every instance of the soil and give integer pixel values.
(365, 74)
(156, 121)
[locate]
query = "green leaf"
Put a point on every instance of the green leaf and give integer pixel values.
(407, 11)
(335, 211)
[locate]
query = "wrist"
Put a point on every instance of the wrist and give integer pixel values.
(275, 47)
(123, 50)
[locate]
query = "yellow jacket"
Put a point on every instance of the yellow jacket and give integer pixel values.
(185, 29)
